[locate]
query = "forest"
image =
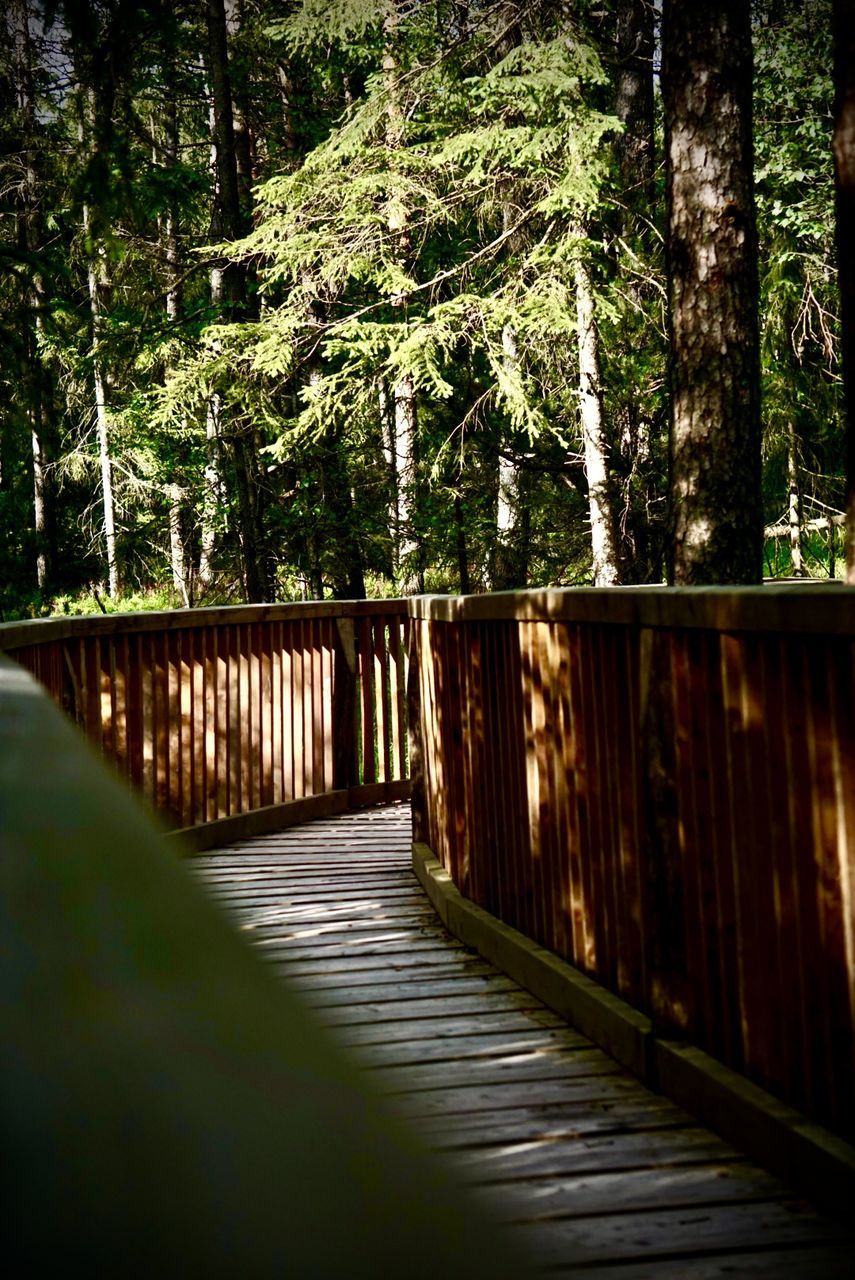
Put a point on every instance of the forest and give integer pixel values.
(336, 298)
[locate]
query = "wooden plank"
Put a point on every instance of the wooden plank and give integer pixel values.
(532, 1069)
(453, 1050)
(416, 993)
(591, 1136)
(635, 1191)
(816, 1262)
(556, 1135)
(439, 1030)
(674, 1232)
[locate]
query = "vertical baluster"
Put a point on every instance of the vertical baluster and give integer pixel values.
(330, 727)
(381, 687)
(298, 712)
(172, 642)
(288, 750)
(277, 677)
(198, 674)
(188, 725)
(366, 674)
(398, 682)
(265, 711)
(317, 687)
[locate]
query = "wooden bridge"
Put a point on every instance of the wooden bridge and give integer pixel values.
(633, 810)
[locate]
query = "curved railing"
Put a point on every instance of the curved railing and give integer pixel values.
(218, 714)
(659, 786)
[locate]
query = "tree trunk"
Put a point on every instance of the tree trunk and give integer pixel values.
(508, 565)
(509, 562)
(102, 418)
(716, 508)
(635, 155)
(213, 495)
(174, 299)
(634, 104)
(605, 567)
(229, 294)
(794, 512)
(844, 176)
(36, 380)
(409, 548)
(408, 551)
(98, 284)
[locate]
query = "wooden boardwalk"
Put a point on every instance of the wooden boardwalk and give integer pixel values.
(592, 1172)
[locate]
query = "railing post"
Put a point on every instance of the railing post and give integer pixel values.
(345, 680)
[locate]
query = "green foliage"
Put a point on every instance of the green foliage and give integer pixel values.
(795, 203)
(422, 180)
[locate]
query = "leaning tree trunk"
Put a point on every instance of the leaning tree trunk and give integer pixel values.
(605, 567)
(716, 507)
(844, 175)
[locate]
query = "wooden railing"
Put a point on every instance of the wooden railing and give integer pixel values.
(660, 787)
(217, 713)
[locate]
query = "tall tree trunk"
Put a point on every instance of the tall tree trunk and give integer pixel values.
(605, 568)
(508, 564)
(634, 104)
(387, 432)
(635, 154)
(229, 288)
(844, 175)
(99, 285)
(409, 552)
(716, 509)
(36, 379)
(97, 279)
(179, 561)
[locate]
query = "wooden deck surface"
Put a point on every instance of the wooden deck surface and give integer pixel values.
(594, 1173)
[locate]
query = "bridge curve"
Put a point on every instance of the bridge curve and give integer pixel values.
(591, 1172)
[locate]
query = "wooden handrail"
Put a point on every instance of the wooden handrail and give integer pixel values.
(827, 607)
(659, 786)
(216, 713)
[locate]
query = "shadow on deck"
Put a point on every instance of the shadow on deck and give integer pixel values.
(590, 1170)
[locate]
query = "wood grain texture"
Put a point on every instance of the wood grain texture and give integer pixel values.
(671, 809)
(577, 1158)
